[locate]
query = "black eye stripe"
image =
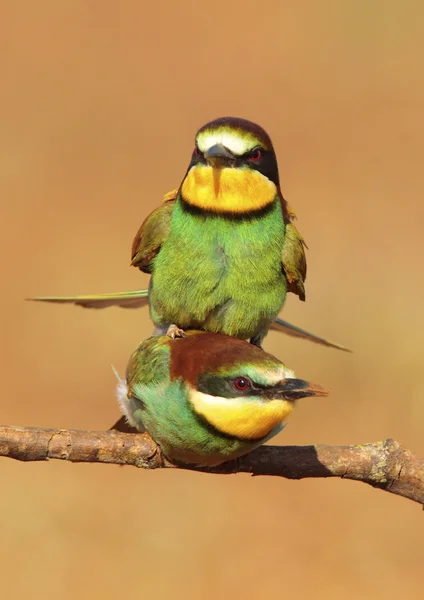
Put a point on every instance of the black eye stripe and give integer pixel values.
(225, 387)
(197, 157)
(249, 153)
(267, 164)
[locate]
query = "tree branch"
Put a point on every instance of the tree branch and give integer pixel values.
(386, 465)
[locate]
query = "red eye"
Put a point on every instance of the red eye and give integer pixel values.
(255, 154)
(197, 152)
(241, 383)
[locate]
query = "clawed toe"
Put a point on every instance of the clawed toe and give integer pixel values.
(175, 332)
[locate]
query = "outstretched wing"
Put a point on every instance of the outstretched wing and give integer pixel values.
(293, 330)
(153, 232)
(139, 298)
(133, 299)
(293, 260)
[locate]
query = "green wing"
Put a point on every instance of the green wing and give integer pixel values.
(293, 260)
(133, 299)
(139, 298)
(153, 232)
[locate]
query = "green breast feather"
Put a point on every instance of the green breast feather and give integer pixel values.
(222, 274)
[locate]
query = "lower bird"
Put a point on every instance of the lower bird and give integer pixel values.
(208, 398)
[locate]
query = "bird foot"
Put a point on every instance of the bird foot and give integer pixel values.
(175, 332)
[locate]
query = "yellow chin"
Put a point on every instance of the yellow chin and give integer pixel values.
(227, 190)
(241, 418)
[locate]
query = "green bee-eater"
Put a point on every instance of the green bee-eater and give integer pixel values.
(208, 398)
(222, 250)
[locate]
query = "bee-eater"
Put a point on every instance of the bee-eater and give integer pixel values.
(207, 398)
(222, 250)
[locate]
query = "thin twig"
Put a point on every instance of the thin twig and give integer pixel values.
(386, 465)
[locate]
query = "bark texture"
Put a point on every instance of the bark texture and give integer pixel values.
(386, 464)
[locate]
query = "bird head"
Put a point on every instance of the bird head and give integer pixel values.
(233, 168)
(235, 387)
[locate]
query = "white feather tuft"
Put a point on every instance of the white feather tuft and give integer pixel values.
(121, 393)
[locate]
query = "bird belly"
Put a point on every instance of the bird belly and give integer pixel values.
(191, 443)
(164, 412)
(221, 276)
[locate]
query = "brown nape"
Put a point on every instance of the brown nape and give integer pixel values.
(244, 125)
(202, 352)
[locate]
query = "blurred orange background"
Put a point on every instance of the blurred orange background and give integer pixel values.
(100, 102)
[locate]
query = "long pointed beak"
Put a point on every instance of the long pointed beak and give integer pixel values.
(293, 389)
(219, 156)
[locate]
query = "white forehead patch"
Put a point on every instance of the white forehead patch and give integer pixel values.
(237, 143)
(273, 377)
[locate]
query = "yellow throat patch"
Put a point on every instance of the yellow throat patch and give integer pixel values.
(241, 417)
(227, 190)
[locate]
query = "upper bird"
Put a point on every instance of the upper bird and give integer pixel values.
(208, 398)
(222, 250)
(224, 253)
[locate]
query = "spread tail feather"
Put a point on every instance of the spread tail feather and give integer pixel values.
(294, 331)
(133, 299)
(139, 298)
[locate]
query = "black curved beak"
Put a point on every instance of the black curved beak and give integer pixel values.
(293, 389)
(219, 156)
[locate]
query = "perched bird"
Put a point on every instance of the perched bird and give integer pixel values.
(207, 398)
(220, 255)
(222, 250)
